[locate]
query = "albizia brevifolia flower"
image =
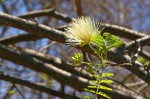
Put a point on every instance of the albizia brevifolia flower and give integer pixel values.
(81, 31)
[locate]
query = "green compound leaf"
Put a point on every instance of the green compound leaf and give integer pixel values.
(104, 95)
(2, 1)
(98, 40)
(94, 81)
(77, 58)
(99, 44)
(44, 77)
(147, 63)
(111, 41)
(86, 97)
(11, 92)
(89, 90)
(96, 76)
(105, 88)
(107, 75)
(92, 87)
(106, 81)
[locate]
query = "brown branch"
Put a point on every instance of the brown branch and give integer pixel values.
(117, 30)
(37, 65)
(78, 7)
(145, 54)
(62, 76)
(57, 62)
(23, 37)
(35, 86)
(131, 46)
(130, 91)
(142, 41)
(32, 27)
(19, 23)
(120, 56)
(123, 32)
(19, 38)
(23, 97)
(6, 96)
(48, 12)
(115, 55)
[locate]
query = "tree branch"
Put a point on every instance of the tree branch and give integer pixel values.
(39, 66)
(142, 41)
(78, 7)
(47, 12)
(35, 86)
(62, 76)
(19, 38)
(145, 54)
(57, 62)
(115, 55)
(32, 27)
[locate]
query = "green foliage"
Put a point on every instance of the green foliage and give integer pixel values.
(106, 81)
(86, 97)
(147, 63)
(104, 95)
(96, 85)
(77, 58)
(101, 43)
(107, 75)
(46, 77)
(1, 1)
(11, 92)
(143, 60)
(105, 42)
(111, 41)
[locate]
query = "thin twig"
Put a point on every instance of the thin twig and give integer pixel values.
(23, 97)
(47, 46)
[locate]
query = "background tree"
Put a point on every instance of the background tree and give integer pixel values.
(35, 62)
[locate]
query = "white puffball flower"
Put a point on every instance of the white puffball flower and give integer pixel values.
(81, 30)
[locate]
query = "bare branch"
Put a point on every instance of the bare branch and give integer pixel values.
(62, 76)
(48, 12)
(123, 32)
(35, 86)
(32, 27)
(37, 65)
(19, 38)
(116, 55)
(57, 62)
(23, 97)
(145, 54)
(78, 7)
(142, 41)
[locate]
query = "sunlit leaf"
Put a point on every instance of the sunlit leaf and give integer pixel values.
(88, 90)
(77, 58)
(86, 97)
(105, 88)
(104, 95)
(11, 92)
(107, 75)
(99, 41)
(94, 81)
(44, 77)
(106, 81)
(91, 86)
(111, 41)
